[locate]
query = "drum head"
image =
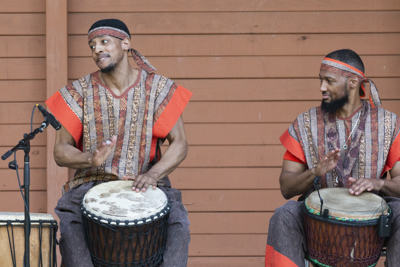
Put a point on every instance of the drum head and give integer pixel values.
(116, 201)
(342, 204)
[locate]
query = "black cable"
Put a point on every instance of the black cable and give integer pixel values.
(19, 182)
(316, 181)
(33, 110)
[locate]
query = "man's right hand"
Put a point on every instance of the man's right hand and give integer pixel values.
(103, 151)
(296, 179)
(327, 164)
(66, 154)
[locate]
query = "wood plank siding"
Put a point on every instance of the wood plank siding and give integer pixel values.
(22, 84)
(252, 66)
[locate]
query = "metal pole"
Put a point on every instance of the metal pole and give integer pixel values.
(26, 190)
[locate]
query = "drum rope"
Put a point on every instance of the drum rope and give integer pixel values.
(41, 246)
(12, 247)
(118, 242)
(53, 242)
(40, 262)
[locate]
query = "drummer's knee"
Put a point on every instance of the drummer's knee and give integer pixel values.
(290, 212)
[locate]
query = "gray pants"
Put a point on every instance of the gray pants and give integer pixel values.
(286, 233)
(73, 247)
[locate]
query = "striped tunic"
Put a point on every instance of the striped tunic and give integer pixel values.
(91, 113)
(373, 149)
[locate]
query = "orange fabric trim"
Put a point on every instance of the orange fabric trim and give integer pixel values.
(66, 117)
(344, 64)
(293, 146)
(276, 259)
(153, 148)
(393, 156)
(291, 157)
(172, 112)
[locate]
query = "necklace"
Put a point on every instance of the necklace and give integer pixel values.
(345, 146)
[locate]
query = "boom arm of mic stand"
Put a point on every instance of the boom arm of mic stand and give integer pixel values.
(26, 139)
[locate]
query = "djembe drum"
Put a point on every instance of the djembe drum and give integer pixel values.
(125, 228)
(347, 235)
(42, 250)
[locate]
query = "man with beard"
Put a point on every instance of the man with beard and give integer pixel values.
(113, 122)
(318, 144)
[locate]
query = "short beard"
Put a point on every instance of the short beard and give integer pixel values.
(334, 105)
(108, 69)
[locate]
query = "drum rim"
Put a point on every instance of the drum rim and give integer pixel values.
(127, 223)
(339, 220)
(34, 223)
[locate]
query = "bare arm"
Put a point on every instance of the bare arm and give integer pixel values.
(296, 179)
(387, 187)
(66, 154)
(173, 156)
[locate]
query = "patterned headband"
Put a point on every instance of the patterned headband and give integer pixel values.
(343, 69)
(140, 60)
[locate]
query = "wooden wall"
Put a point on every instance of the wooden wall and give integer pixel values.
(253, 67)
(22, 84)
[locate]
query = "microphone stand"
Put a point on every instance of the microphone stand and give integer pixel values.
(24, 144)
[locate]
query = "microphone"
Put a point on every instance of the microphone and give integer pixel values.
(6, 155)
(48, 116)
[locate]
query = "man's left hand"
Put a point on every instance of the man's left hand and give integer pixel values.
(142, 182)
(364, 184)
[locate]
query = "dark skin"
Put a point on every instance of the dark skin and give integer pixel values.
(173, 156)
(106, 51)
(296, 179)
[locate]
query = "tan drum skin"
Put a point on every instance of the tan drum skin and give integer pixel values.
(342, 204)
(116, 201)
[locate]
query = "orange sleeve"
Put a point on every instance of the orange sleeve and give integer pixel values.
(393, 156)
(66, 117)
(172, 112)
(291, 157)
(293, 147)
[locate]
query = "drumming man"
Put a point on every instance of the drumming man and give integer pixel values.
(113, 122)
(347, 142)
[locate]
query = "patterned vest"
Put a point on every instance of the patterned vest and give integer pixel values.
(131, 117)
(319, 132)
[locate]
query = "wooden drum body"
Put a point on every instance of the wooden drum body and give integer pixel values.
(125, 228)
(348, 236)
(42, 240)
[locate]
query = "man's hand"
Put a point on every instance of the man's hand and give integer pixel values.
(296, 179)
(66, 153)
(327, 164)
(364, 184)
(103, 151)
(142, 182)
